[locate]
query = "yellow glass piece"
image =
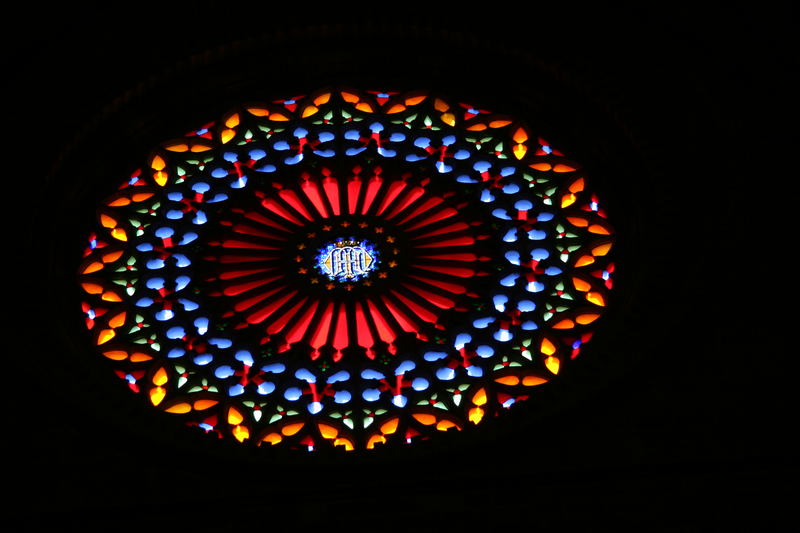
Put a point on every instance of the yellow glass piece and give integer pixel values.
(444, 425)
(157, 394)
(581, 285)
(601, 250)
(597, 229)
(119, 202)
(241, 433)
(348, 445)
(290, 429)
(508, 380)
(541, 166)
(596, 298)
(158, 163)
(552, 363)
(116, 355)
(160, 377)
(309, 110)
(324, 98)
(328, 432)
(179, 147)
(119, 234)
(532, 381)
(161, 177)
(475, 415)
(577, 185)
(480, 397)
(520, 150)
(585, 260)
(227, 135)
(110, 296)
(390, 427)
(179, 408)
(232, 121)
(449, 119)
(272, 438)
(578, 221)
(375, 439)
(560, 167)
(235, 417)
(350, 98)
(107, 221)
(440, 105)
(139, 357)
(564, 324)
(587, 318)
(258, 111)
(105, 336)
(202, 405)
(93, 267)
(425, 418)
(547, 347)
(499, 123)
(117, 321)
(568, 199)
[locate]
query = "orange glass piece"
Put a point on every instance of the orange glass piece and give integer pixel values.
(291, 429)
(424, 418)
(389, 427)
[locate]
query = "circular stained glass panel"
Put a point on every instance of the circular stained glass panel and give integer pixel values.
(347, 269)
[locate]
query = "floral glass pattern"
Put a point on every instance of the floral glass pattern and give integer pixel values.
(347, 269)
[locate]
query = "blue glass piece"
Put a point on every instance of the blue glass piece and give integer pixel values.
(314, 407)
(461, 340)
(165, 232)
(523, 205)
(174, 214)
(181, 260)
(482, 323)
(482, 166)
(274, 368)
(419, 384)
(219, 342)
(474, 371)
(281, 146)
(175, 353)
(513, 257)
(354, 151)
(181, 282)
(188, 237)
(342, 396)
(352, 135)
(241, 181)
(499, 301)
(442, 167)
(508, 403)
(219, 173)
(376, 127)
(300, 133)
(386, 153)
(342, 375)
(399, 400)
(175, 196)
(526, 306)
(325, 136)
(145, 247)
(501, 214)
(203, 359)
(540, 254)
(484, 351)
(461, 154)
(511, 235)
(257, 154)
(201, 323)
(155, 264)
(534, 286)
(397, 137)
(486, 196)
(224, 371)
(206, 426)
(371, 395)
(465, 179)
(230, 157)
(511, 188)
(292, 394)
(199, 218)
(294, 159)
(235, 390)
(414, 157)
(164, 314)
(188, 305)
(537, 235)
(265, 387)
(529, 325)
(245, 357)
(176, 332)
(434, 356)
(267, 168)
(371, 374)
(405, 366)
(155, 283)
(325, 153)
(447, 141)
(305, 375)
(552, 271)
(445, 373)
(507, 171)
(510, 280)
(144, 302)
(503, 335)
(544, 216)
(422, 142)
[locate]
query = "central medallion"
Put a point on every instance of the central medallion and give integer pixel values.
(347, 259)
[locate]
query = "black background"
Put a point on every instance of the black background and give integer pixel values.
(672, 421)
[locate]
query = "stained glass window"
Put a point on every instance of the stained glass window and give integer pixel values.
(347, 269)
